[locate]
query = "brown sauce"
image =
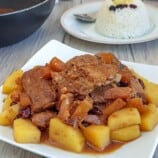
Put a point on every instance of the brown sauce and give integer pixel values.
(6, 10)
(113, 146)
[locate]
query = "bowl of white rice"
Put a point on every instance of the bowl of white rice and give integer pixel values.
(123, 19)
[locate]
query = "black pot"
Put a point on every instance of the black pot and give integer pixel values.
(27, 16)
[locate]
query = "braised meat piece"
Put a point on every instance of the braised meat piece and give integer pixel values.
(114, 106)
(42, 119)
(98, 94)
(24, 100)
(93, 119)
(138, 89)
(64, 106)
(103, 94)
(97, 109)
(24, 113)
(39, 89)
(83, 73)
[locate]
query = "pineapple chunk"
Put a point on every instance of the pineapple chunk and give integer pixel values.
(97, 135)
(126, 134)
(25, 131)
(151, 90)
(152, 107)
(4, 121)
(10, 83)
(124, 118)
(7, 103)
(69, 137)
(7, 117)
(149, 119)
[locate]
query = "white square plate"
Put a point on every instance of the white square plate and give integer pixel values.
(142, 147)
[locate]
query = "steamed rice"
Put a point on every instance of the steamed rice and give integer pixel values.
(123, 23)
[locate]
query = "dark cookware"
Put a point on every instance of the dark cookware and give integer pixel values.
(20, 18)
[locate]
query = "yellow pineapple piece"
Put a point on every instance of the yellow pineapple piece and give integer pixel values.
(149, 119)
(7, 103)
(124, 118)
(4, 121)
(126, 134)
(10, 83)
(151, 90)
(97, 135)
(69, 137)
(7, 117)
(25, 131)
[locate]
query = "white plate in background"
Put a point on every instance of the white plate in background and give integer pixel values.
(142, 147)
(87, 32)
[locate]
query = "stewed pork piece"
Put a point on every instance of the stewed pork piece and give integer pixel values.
(103, 93)
(138, 89)
(42, 119)
(84, 73)
(39, 89)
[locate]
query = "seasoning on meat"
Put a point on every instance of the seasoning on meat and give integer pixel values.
(83, 73)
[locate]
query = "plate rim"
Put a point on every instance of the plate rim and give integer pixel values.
(126, 41)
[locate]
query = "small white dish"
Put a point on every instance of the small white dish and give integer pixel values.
(142, 147)
(87, 31)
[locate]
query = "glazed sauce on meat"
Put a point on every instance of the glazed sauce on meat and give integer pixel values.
(6, 10)
(87, 150)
